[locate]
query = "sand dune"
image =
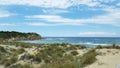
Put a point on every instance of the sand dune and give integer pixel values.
(108, 58)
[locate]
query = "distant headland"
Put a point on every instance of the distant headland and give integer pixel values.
(14, 35)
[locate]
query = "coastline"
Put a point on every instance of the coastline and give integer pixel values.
(92, 41)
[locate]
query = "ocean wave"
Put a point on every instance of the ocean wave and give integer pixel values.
(61, 38)
(91, 43)
(49, 39)
(54, 39)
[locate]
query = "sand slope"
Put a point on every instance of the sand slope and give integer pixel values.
(108, 58)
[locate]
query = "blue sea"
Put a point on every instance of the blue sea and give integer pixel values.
(88, 41)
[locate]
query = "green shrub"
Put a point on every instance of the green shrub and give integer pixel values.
(47, 60)
(27, 66)
(2, 59)
(20, 50)
(37, 57)
(99, 47)
(2, 49)
(113, 46)
(88, 57)
(74, 53)
(11, 60)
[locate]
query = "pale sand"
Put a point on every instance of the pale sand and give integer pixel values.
(1, 66)
(109, 58)
(81, 51)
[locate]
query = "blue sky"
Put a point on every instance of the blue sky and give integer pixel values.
(83, 18)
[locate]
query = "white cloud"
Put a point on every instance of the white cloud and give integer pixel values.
(97, 34)
(37, 24)
(40, 3)
(54, 11)
(58, 3)
(4, 13)
(50, 3)
(44, 17)
(53, 18)
(48, 24)
(7, 24)
(106, 1)
(112, 18)
(118, 4)
(90, 3)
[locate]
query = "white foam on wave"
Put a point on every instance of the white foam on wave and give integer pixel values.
(49, 39)
(91, 43)
(97, 39)
(61, 38)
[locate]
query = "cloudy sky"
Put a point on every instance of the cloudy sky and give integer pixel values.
(89, 18)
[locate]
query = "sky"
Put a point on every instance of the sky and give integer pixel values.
(62, 18)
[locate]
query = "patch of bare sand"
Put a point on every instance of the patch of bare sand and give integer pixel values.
(107, 58)
(1, 66)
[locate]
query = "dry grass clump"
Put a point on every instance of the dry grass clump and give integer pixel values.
(11, 60)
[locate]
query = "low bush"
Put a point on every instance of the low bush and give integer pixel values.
(88, 57)
(113, 46)
(20, 50)
(11, 60)
(74, 53)
(2, 49)
(37, 57)
(21, 66)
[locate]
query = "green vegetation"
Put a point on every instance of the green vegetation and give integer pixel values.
(74, 53)
(52, 55)
(11, 60)
(13, 35)
(20, 44)
(20, 50)
(26, 66)
(2, 49)
(70, 61)
(21, 66)
(88, 57)
(114, 46)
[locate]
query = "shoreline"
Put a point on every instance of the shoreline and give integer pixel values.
(93, 41)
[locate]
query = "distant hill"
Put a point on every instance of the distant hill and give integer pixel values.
(13, 35)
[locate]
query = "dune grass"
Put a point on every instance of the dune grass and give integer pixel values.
(70, 61)
(52, 55)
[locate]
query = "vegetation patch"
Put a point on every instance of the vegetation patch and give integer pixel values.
(88, 58)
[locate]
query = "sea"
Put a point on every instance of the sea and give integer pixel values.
(87, 41)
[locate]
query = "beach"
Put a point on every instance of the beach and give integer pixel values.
(59, 33)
